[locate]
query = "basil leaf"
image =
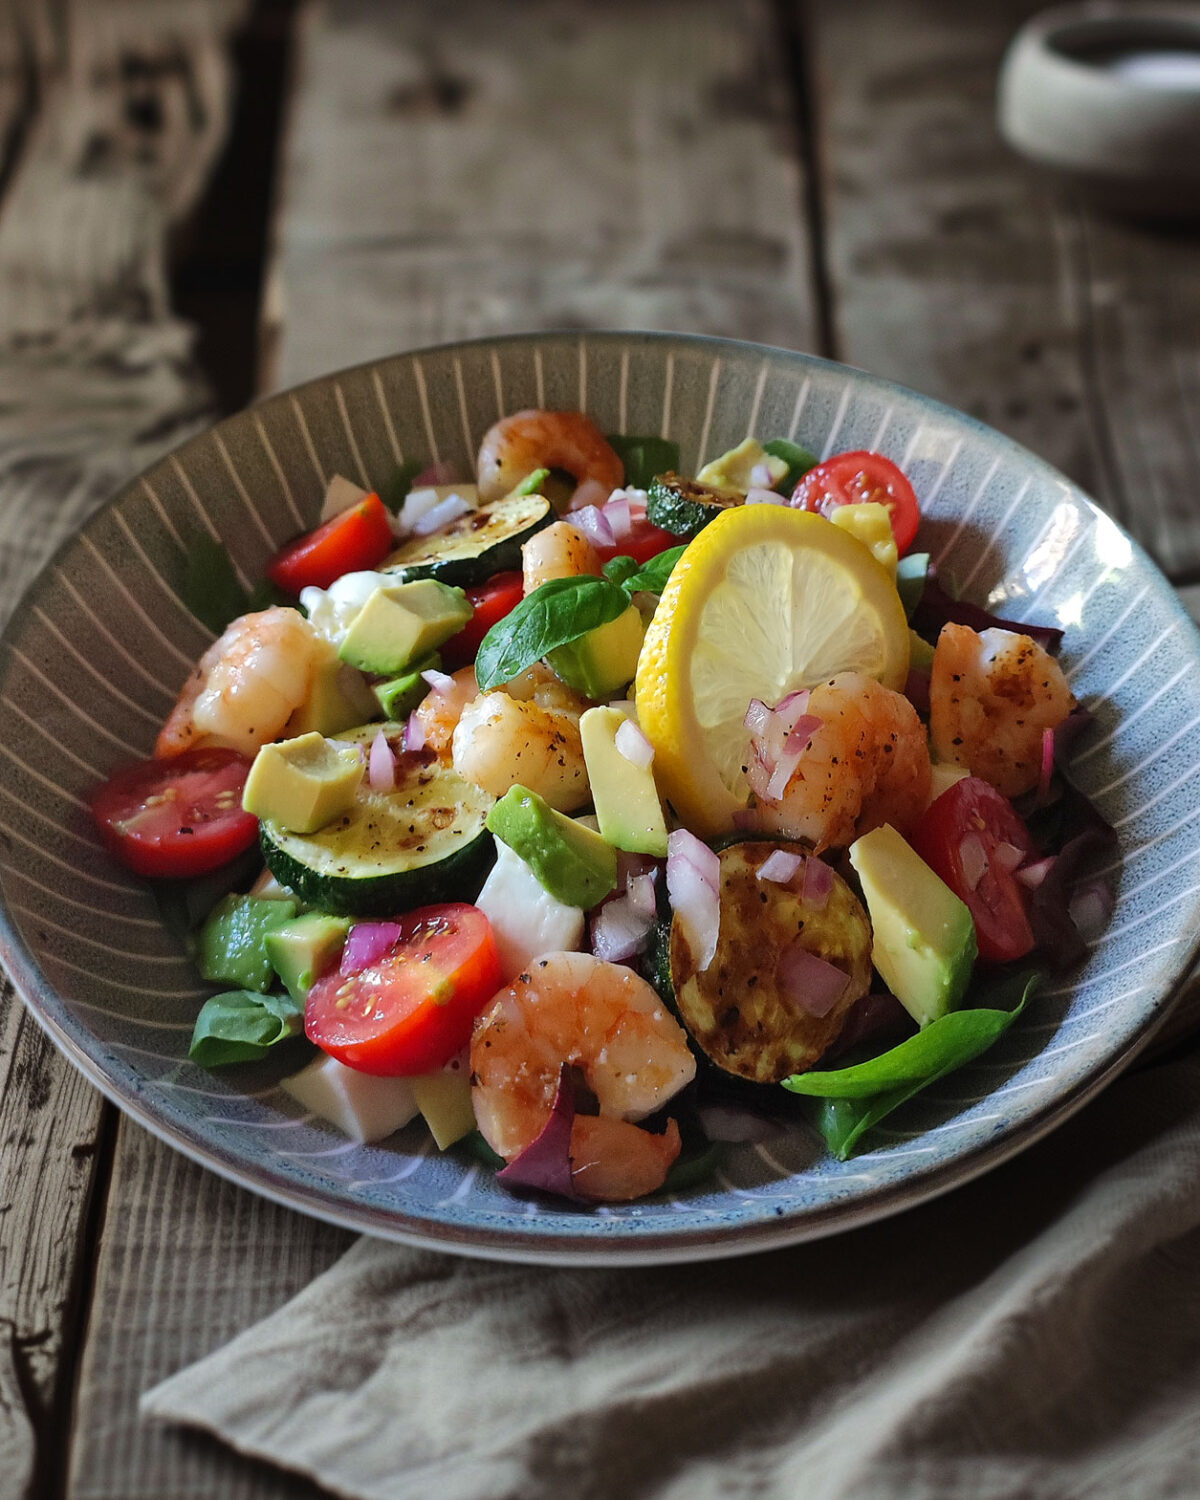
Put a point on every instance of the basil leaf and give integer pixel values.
(555, 614)
(241, 1026)
(210, 587)
(652, 576)
(394, 491)
(799, 460)
(184, 904)
(911, 573)
(846, 1111)
(618, 569)
(644, 457)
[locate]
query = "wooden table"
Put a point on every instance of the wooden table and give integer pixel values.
(825, 176)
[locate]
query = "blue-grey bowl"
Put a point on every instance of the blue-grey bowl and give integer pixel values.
(99, 647)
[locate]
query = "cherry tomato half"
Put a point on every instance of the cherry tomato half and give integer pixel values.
(410, 1011)
(492, 601)
(855, 479)
(643, 541)
(179, 817)
(967, 836)
(354, 542)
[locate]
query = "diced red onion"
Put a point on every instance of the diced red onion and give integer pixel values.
(916, 690)
(779, 867)
(792, 707)
(758, 717)
(757, 776)
(801, 732)
(758, 495)
(814, 985)
(639, 892)
(693, 884)
(782, 774)
(440, 682)
(630, 866)
(441, 515)
(1008, 857)
(367, 942)
(546, 1162)
(617, 514)
(381, 765)
(1090, 908)
(618, 932)
(744, 818)
(590, 493)
(726, 1122)
(760, 476)
(593, 524)
(1047, 768)
(974, 859)
(1033, 875)
(445, 471)
(414, 733)
(818, 883)
(633, 745)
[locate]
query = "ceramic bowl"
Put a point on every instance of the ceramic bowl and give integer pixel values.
(1108, 97)
(100, 645)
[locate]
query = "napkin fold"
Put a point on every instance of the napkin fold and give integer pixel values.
(1035, 1333)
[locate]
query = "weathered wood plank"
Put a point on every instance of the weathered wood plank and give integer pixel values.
(421, 200)
(956, 269)
(469, 169)
(109, 114)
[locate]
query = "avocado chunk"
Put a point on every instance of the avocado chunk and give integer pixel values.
(627, 804)
(574, 864)
(734, 470)
(398, 696)
(924, 938)
(870, 524)
(338, 699)
(601, 662)
(303, 784)
(303, 949)
(403, 622)
(445, 1101)
(231, 948)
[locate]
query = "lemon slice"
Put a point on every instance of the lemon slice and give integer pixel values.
(765, 600)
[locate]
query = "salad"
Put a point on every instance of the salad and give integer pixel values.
(601, 814)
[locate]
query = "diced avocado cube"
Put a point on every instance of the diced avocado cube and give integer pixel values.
(398, 696)
(303, 949)
(399, 624)
(943, 775)
(231, 948)
(445, 1101)
(338, 699)
(303, 784)
(924, 938)
(920, 652)
(574, 864)
(734, 470)
(600, 663)
(626, 798)
(872, 525)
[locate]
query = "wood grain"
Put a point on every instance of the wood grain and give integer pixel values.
(476, 168)
(109, 116)
(956, 269)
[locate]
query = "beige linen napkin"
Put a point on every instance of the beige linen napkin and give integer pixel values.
(1036, 1333)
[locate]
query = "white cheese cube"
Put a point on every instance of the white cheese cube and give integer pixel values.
(362, 1106)
(525, 917)
(341, 495)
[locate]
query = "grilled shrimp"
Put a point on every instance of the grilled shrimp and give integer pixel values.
(247, 684)
(528, 440)
(526, 732)
(992, 694)
(557, 551)
(571, 1008)
(438, 713)
(866, 765)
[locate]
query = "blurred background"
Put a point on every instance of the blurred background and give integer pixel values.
(202, 200)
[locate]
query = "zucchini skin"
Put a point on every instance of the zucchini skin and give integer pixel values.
(424, 842)
(684, 507)
(734, 1011)
(513, 521)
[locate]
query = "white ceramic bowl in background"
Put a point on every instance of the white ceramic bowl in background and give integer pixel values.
(1108, 96)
